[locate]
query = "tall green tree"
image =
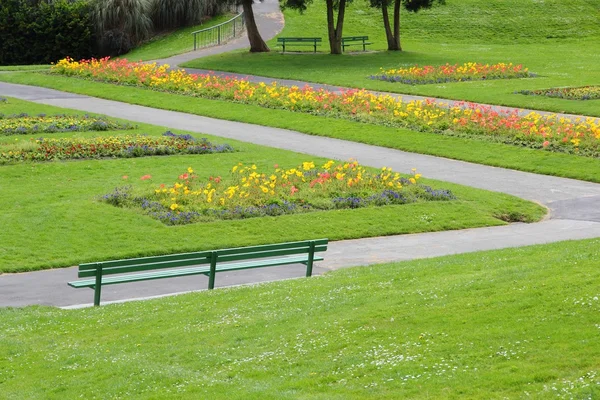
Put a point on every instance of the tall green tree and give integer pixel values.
(335, 26)
(393, 35)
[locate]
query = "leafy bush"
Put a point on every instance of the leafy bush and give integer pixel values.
(44, 32)
(121, 24)
(170, 14)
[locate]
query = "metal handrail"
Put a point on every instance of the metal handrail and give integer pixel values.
(221, 33)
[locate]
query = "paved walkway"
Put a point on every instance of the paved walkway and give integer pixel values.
(574, 205)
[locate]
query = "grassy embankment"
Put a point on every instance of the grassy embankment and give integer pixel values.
(516, 323)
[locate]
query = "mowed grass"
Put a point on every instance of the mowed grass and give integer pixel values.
(53, 217)
(494, 154)
(515, 323)
(558, 41)
(172, 43)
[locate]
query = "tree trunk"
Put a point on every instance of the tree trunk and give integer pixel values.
(396, 44)
(257, 44)
(388, 30)
(335, 30)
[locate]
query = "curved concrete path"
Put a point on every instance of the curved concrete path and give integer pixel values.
(269, 20)
(574, 205)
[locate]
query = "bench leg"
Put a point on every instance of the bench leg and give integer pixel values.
(98, 285)
(311, 258)
(213, 270)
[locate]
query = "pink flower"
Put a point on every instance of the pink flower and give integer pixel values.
(546, 143)
(125, 177)
(146, 177)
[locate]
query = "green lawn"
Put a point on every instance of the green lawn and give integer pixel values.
(516, 323)
(172, 43)
(23, 67)
(56, 220)
(558, 41)
(494, 154)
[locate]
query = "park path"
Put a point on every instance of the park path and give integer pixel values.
(574, 205)
(269, 20)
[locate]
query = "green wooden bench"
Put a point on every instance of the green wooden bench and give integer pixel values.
(197, 263)
(299, 41)
(355, 40)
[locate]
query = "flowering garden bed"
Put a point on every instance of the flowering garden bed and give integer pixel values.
(249, 192)
(576, 93)
(471, 71)
(43, 149)
(465, 119)
(22, 124)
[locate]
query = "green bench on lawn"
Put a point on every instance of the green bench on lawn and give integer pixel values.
(198, 263)
(355, 40)
(299, 41)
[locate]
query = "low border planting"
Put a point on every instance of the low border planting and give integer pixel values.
(24, 124)
(250, 192)
(470, 71)
(569, 93)
(128, 146)
(534, 131)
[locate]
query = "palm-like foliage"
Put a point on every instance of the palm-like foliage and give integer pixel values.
(169, 14)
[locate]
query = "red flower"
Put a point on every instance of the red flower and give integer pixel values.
(146, 177)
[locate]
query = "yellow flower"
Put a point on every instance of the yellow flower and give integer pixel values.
(190, 170)
(174, 206)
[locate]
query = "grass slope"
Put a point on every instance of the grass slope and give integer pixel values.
(499, 155)
(172, 43)
(515, 323)
(559, 41)
(55, 220)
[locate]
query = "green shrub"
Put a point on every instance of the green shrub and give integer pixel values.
(121, 24)
(43, 32)
(170, 14)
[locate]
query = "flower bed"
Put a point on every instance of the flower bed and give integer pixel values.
(577, 93)
(452, 73)
(464, 119)
(43, 149)
(249, 192)
(22, 124)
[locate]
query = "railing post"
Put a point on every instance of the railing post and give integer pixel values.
(223, 35)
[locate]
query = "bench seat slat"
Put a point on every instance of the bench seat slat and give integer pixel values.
(145, 260)
(193, 271)
(144, 267)
(253, 249)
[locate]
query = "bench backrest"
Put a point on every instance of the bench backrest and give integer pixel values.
(199, 258)
(299, 39)
(354, 38)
